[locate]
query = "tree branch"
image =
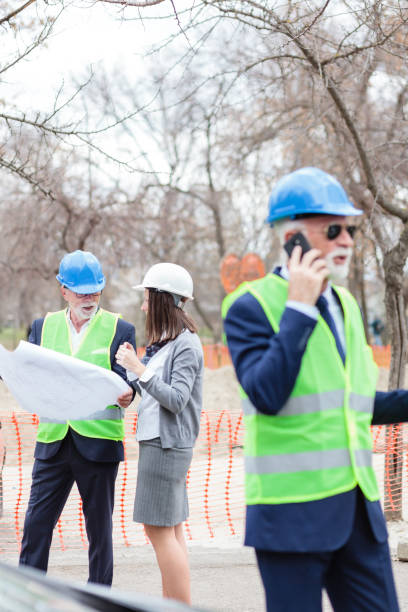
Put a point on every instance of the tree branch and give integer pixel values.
(126, 3)
(346, 116)
(19, 170)
(16, 12)
(43, 35)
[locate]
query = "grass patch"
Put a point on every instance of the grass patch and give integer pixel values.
(11, 336)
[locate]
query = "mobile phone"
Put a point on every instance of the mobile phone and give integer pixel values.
(295, 240)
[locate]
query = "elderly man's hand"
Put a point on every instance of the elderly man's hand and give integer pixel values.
(125, 399)
(307, 275)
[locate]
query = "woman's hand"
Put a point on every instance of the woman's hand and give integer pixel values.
(127, 358)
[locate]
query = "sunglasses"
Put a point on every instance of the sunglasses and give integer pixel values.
(87, 295)
(334, 230)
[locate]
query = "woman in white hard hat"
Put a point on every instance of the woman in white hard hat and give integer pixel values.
(170, 381)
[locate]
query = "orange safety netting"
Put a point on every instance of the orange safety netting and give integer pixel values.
(215, 484)
(215, 479)
(382, 355)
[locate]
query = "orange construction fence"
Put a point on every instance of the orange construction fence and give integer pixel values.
(217, 355)
(382, 355)
(215, 479)
(215, 484)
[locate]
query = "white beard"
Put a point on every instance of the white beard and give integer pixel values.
(338, 273)
(84, 315)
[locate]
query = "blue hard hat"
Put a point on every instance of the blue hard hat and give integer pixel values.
(81, 272)
(309, 191)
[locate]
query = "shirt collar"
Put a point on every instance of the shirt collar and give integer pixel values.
(84, 326)
(284, 273)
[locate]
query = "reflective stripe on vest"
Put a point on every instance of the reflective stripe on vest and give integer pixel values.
(109, 413)
(319, 443)
(329, 400)
(95, 346)
(300, 462)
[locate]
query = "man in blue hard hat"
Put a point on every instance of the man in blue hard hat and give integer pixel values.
(308, 387)
(86, 452)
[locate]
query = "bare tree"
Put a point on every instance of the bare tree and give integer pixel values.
(68, 124)
(185, 210)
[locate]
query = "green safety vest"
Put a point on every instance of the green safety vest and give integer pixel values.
(319, 444)
(94, 348)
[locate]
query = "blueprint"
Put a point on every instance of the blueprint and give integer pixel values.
(56, 386)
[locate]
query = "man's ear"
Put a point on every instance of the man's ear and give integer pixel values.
(63, 293)
(289, 234)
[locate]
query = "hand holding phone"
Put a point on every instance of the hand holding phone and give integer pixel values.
(308, 271)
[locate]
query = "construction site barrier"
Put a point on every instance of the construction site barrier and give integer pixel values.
(214, 482)
(382, 355)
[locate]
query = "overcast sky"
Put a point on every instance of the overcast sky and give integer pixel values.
(84, 36)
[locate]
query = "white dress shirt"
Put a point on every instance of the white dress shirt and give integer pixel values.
(148, 420)
(77, 336)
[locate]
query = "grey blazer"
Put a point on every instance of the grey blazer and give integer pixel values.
(179, 392)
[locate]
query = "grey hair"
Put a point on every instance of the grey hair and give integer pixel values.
(282, 226)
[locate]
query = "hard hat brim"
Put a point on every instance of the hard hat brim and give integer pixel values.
(309, 191)
(336, 211)
(142, 288)
(168, 277)
(82, 289)
(88, 288)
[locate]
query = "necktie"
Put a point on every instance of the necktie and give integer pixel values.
(323, 306)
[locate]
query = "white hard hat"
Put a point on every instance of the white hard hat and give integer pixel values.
(168, 277)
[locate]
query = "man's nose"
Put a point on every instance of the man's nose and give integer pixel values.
(344, 238)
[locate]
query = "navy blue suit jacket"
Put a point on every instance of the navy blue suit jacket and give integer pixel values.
(94, 449)
(267, 365)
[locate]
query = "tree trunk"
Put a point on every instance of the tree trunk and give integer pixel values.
(205, 319)
(357, 286)
(395, 309)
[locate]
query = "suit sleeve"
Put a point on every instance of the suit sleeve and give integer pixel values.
(35, 332)
(390, 407)
(125, 332)
(266, 364)
(186, 365)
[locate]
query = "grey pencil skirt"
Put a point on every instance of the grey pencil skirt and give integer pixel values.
(161, 493)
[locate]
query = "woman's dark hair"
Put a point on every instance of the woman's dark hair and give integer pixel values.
(164, 320)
